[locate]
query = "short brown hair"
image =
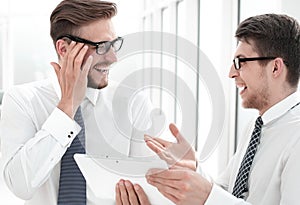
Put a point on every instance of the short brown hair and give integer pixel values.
(70, 15)
(274, 35)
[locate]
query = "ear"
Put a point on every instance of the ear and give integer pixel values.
(278, 67)
(61, 47)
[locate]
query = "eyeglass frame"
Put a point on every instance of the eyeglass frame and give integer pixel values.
(96, 44)
(237, 60)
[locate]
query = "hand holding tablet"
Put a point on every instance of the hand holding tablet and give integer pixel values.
(103, 173)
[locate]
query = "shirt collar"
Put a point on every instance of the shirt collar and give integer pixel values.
(91, 94)
(281, 108)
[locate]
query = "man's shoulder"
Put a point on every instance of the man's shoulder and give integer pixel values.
(31, 85)
(27, 90)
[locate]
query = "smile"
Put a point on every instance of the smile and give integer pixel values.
(102, 70)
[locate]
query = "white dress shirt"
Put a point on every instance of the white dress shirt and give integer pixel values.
(274, 177)
(35, 133)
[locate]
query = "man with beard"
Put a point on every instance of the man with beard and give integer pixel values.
(42, 122)
(265, 168)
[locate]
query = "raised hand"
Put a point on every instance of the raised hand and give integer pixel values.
(179, 154)
(72, 76)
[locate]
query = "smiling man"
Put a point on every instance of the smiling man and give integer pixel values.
(45, 123)
(265, 168)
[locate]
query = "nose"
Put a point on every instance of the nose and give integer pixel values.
(111, 56)
(233, 73)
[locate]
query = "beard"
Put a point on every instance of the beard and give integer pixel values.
(259, 99)
(96, 84)
(97, 78)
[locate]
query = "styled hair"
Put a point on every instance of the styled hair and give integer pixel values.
(274, 35)
(70, 15)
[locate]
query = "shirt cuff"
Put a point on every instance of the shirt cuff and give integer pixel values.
(61, 127)
(220, 196)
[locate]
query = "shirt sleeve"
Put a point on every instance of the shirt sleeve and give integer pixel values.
(290, 177)
(220, 196)
(30, 151)
(219, 193)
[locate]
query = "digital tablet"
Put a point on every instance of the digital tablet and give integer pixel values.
(103, 173)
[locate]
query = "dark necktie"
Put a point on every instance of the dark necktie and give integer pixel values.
(241, 182)
(72, 185)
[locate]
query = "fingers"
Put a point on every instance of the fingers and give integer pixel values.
(123, 193)
(174, 174)
(71, 62)
(131, 193)
(118, 195)
(73, 58)
(168, 191)
(175, 132)
(75, 53)
(159, 144)
(159, 151)
(143, 199)
(154, 146)
(157, 141)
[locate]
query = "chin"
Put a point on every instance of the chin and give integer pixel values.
(97, 85)
(102, 86)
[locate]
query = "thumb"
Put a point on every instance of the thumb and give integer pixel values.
(175, 132)
(56, 67)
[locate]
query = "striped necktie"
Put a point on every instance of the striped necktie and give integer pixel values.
(241, 182)
(72, 185)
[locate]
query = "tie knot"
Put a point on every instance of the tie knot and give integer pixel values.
(259, 122)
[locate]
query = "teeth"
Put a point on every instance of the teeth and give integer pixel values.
(101, 70)
(241, 86)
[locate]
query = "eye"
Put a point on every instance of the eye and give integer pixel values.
(101, 46)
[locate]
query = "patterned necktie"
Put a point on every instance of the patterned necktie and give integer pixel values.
(241, 182)
(72, 185)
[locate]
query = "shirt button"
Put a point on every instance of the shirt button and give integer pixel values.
(69, 136)
(71, 132)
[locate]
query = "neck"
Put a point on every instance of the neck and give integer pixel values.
(277, 98)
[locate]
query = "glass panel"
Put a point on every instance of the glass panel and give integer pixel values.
(168, 64)
(186, 74)
(1, 55)
(32, 52)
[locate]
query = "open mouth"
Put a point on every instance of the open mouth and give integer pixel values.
(101, 70)
(104, 71)
(242, 88)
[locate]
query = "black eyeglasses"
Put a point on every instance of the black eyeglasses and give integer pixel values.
(237, 61)
(102, 47)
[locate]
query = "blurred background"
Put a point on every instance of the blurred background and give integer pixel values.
(26, 51)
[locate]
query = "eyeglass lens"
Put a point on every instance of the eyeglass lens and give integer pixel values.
(115, 44)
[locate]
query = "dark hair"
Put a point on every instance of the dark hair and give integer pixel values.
(274, 35)
(70, 15)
